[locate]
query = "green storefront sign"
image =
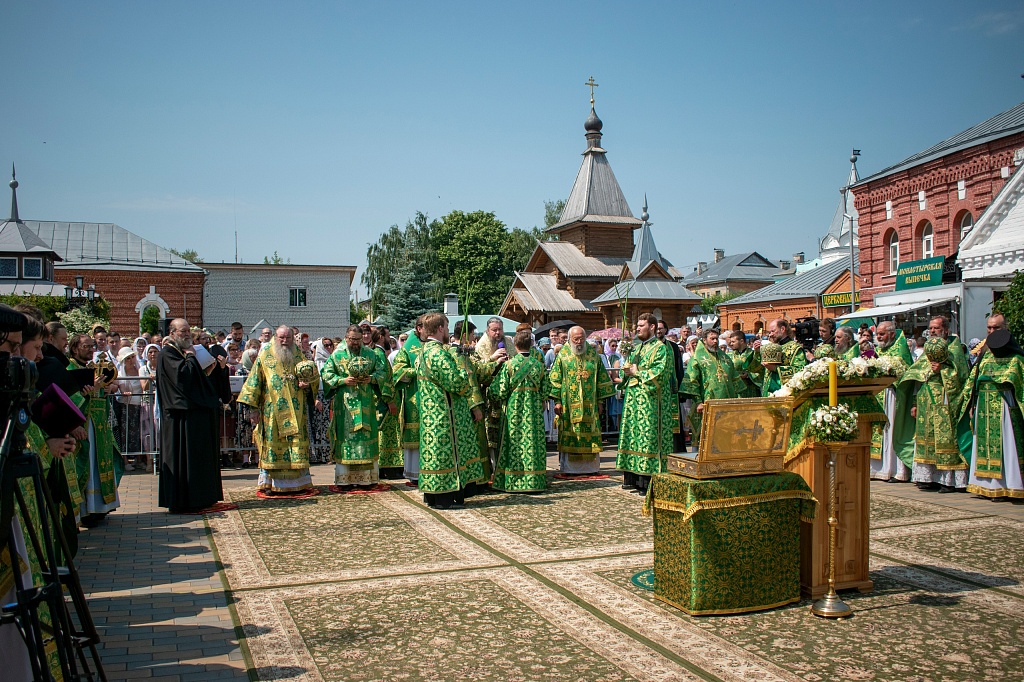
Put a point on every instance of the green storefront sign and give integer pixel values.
(920, 273)
(836, 300)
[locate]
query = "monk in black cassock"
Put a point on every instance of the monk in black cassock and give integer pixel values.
(189, 449)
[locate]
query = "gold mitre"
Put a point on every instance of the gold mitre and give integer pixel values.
(771, 353)
(306, 371)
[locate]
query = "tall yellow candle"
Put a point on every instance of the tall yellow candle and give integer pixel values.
(833, 384)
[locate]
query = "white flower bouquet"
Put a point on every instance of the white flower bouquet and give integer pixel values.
(832, 424)
(858, 368)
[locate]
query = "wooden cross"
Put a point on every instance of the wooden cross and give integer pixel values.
(592, 85)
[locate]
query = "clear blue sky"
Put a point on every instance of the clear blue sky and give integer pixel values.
(313, 127)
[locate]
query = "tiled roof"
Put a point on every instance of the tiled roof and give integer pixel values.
(749, 267)
(648, 289)
(810, 283)
(1007, 123)
(571, 262)
(106, 245)
(544, 291)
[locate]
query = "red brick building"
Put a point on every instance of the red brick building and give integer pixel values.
(923, 206)
(127, 271)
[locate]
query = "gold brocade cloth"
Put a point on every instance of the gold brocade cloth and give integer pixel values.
(728, 545)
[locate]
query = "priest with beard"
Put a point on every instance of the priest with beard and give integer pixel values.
(279, 415)
(189, 452)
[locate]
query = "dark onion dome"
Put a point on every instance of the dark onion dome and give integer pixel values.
(593, 124)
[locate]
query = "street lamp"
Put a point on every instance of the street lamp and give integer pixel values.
(92, 292)
(79, 282)
(67, 294)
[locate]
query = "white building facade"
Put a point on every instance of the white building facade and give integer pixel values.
(314, 298)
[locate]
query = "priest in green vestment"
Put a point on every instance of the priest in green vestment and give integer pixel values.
(403, 372)
(579, 382)
(391, 461)
(279, 415)
(521, 388)
(480, 376)
(744, 361)
(935, 387)
(896, 434)
(98, 461)
(645, 433)
(489, 354)
(450, 460)
(846, 347)
(995, 391)
(793, 358)
(351, 375)
(710, 374)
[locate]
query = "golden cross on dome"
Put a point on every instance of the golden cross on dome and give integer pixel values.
(592, 85)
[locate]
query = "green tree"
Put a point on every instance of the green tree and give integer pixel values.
(553, 212)
(471, 253)
(1011, 306)
(81, 320)
(385, 258)
(276, 260)
(408, 292)
(191, 255)
(48, 305)
(709, 303)
(150, 320)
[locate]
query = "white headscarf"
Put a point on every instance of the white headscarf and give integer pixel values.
(320, 354)
(145, 355)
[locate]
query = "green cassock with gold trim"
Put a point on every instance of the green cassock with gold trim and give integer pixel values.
(579, 383)
(354, 425)
(521, 388)
(645, 435)
(449, 441)
(405, 368)
(390, 434)
(709, 375)
(744, 362)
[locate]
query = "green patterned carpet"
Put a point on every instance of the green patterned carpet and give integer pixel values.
(538, 587)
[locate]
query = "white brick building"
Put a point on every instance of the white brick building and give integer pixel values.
(314, 298)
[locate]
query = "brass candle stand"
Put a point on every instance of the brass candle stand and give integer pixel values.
(831, 606)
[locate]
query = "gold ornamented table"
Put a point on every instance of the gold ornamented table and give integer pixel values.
(728, 545)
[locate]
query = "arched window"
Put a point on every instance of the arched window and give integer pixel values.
(894, 253)
(927, 248)
(966, 224)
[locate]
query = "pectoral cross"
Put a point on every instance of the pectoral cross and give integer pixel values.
(754, 431)
(592, 85)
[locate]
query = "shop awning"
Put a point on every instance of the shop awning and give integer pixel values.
(896, 308)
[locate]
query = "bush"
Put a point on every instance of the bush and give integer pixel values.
(81, 321)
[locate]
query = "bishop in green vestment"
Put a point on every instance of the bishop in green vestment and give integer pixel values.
(645, 433)
(744, 361)
(936, 387)
(450, 460)
(846, 345)
(521, 387)
(390, 433)
(579, 382)
(995, 390)
(279, 415)
(793, 358)
(710, 374)
(351, 375)
(98, 462)
(403, 372)
(896, 434)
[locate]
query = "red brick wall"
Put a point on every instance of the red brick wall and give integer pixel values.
(979, 167)
(123, 290)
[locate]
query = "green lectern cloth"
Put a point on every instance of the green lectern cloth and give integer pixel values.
(728, 545)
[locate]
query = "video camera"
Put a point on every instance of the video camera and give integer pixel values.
(805, 330)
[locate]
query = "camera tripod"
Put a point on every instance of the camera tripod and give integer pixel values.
(16, 467)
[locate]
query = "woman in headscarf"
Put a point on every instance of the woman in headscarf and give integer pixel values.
(149, 422)
(243, 422)
(320, 415)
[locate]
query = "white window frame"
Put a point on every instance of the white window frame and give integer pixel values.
(15, 260)
(961, 189)
(301, 298)
(888, 210)
(922, 200)
(894, 253)
(966, 229)
(24, 270)
(927, 241)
